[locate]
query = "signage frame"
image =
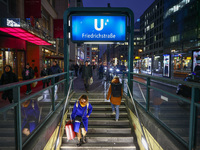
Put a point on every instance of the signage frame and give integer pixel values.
(194, 60)
(167, 67)
(103, 15)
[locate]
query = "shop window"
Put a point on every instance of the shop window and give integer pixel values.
(10, 59)
(1, 63)
(20, 63)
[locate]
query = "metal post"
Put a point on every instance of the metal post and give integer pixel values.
(18, 129)
(123, 80)
(193, 118)
(53, 94)
(147, 94)
(66, 50)
(130, 51)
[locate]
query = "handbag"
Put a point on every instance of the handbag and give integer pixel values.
(69, 129)
(90, 81)
(78, 119)
(34, 83)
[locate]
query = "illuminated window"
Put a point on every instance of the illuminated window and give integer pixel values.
(148, 28)
(176, 8)
(175, 38)
(152, 25)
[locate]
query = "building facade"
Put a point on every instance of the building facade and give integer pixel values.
(151, 26)
(34, 18)
(181, 32)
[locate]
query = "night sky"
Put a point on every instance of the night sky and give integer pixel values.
(137, 6)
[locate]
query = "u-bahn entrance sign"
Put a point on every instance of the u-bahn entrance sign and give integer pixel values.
(99, 24)
(98, 28)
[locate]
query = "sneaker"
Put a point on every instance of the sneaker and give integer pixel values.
(27, 93)
(116, 120)
(30, 92)
(113, 113)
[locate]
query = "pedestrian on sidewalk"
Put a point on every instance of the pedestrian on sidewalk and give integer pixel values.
(115, 93)
(86, 75)
(8, 77)
(55, 69)
(45, 72)
(80, 114)
(76, 67)
(28, 74)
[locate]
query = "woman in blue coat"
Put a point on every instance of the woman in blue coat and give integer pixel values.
(80, 114)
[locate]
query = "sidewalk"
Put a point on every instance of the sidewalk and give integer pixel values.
(98, 85)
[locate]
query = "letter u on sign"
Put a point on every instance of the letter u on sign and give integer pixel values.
(95, 25)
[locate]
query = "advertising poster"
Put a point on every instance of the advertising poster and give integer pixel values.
(166, 65)
(195, 60)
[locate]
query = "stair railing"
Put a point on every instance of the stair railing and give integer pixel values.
(64, 108)
(144, 141)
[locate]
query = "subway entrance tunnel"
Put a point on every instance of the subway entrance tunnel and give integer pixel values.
(103, 131)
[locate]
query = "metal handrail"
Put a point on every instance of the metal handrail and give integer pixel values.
(66, 100)
(193, 103)
(17, 104)
(136, 113)
(21, 83)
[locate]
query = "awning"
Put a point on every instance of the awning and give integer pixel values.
(24, 35)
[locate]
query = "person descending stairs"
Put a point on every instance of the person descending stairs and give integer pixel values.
(103, 131)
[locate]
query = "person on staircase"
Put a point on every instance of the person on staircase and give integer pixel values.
(115, 93)
(86, 75)
(80, 114)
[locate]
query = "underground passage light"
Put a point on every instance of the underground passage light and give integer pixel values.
(24, 35)
(144, 143)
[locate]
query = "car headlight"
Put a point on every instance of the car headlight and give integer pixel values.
(117, 70)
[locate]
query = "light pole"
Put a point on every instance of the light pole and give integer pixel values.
(139, 61)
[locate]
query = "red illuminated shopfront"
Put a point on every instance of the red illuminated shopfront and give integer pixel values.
(18, 47)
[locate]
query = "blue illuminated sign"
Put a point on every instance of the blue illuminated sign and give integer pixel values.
(98, 28)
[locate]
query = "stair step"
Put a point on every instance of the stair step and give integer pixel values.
(107, 115)
(109, 130)
(97, 103)
(100, 146)
(106, 138)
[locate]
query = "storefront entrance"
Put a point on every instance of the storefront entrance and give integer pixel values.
(14, 58)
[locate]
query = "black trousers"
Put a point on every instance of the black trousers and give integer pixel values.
(86, 83)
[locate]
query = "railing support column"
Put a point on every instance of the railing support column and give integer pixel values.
(18, 129)
(193, 118)
(53, 93)
(147, 94)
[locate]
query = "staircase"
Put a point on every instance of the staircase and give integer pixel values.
(103, 131)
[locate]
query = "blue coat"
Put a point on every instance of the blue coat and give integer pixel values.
(79, 112)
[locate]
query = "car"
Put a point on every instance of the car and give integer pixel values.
(119, 69)
(185, 90)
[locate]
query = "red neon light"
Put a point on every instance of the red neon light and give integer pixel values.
(25, 35)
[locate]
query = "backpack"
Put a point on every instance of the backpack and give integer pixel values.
(116, 89)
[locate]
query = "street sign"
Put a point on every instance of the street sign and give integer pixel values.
(98, 28)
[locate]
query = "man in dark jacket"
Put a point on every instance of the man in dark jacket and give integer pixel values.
(28, 74)
(45, 72)
(8, 77)
(86, 75)
(55, 69)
